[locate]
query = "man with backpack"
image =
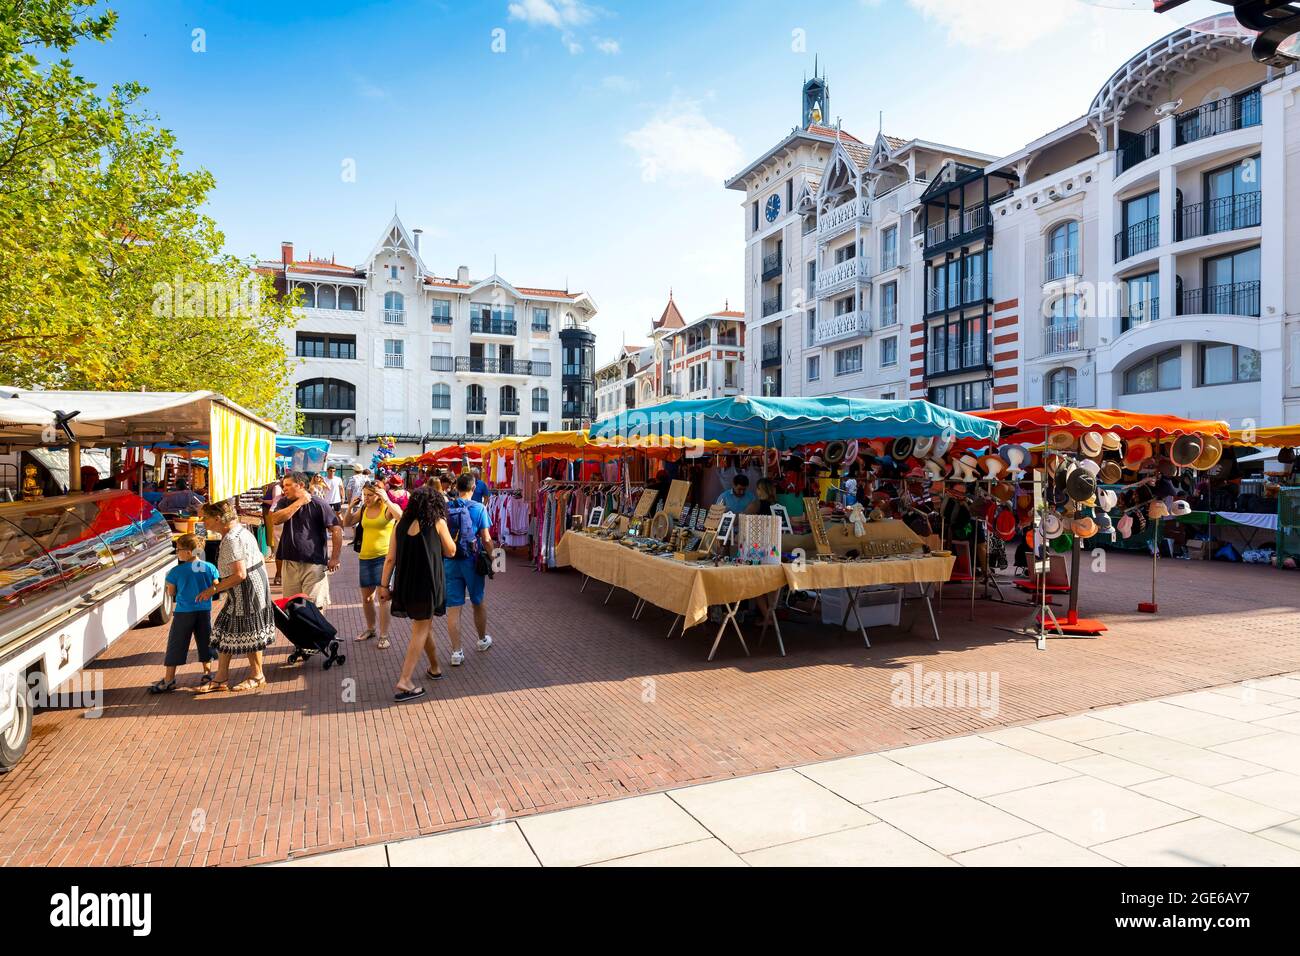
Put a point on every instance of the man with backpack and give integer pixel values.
(468, 571)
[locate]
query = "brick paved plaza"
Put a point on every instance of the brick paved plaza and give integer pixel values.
(576, 704)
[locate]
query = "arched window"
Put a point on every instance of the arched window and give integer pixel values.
(394, 308)
(1063, 251)
(509, 400)
(1160, 373)
(1061, 387)
(308, 294)
(442, 396)
(541, 400)
(326, 393)
(347, 299)
(325, 297)
(475, 400)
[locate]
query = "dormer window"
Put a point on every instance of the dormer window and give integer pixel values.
(392, 272)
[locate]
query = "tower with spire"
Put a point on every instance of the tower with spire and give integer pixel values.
(816, 99)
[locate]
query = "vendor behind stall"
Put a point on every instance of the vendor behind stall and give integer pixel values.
(181, 500)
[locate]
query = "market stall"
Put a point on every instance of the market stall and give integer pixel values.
(687, 557)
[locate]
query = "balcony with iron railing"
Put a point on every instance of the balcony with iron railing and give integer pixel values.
(476, 406)
(442, 320)
(1062, 337)
(844, 216)
(495, 366)
(573, 411)
(442, 363)
(510, 407)
(1061, 264)
(846, 325)
(771, 306)
(485, 326)
(394, 360)
(772, 352)
(1222, 116)
(1137, 149)
(1138, 238)
(966, 357)
(771, 266)
(394, 316)
(958, 227)
(1139, 314)
(1237, 298)
(1219, 215)
(843, 274)
(732, 339)
(541, 405)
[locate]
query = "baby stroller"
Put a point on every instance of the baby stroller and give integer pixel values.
(306, 628)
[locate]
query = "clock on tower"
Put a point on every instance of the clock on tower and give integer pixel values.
(773, 207)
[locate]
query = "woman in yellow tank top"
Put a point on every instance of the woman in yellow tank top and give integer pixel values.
(376, 515)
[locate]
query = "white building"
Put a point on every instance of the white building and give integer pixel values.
(706, 357)
(616, 381)
(833, 278)
(1146, 260)
(390, 348)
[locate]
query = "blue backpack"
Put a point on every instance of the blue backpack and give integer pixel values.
(460, 521)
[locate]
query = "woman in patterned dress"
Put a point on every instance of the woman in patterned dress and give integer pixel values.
(245, 624)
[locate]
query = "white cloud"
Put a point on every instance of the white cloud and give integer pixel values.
(609, 46)
(571, 44)
(679, 142)
(551, 13)
(1004, 24)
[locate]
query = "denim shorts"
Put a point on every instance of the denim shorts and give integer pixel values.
(461, 577)
(372, 570)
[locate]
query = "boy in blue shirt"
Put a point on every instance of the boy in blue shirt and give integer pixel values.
(191, 617)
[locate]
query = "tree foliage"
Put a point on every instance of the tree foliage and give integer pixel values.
(111, 276)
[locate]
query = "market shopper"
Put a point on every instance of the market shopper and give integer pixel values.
(471, 531)
(191, 617)
(355, 484)
(480, 486)
(397, 491)
(310, 541)
(412, 580)
(334, 484)
(374, 515)
(245, 624)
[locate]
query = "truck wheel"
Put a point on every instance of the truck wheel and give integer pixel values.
(13, 742)
(162, 614)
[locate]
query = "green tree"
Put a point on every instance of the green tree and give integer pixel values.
(113, 278)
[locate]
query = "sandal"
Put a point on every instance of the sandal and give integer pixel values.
(249, 684)
(162, 687)
(365, 635)
(212, 687)
(383, 644)
(403, 696)
(204, 680)
(432, 676)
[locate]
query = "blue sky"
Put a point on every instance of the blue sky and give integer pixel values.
(591, 149)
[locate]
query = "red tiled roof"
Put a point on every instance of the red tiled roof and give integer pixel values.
(312, 265)
(831, 131)
(731, 315)
(671, 319)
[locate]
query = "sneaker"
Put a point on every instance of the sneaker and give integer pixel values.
(457, 658)
(485, 643)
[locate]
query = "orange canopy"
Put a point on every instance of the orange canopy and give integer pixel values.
(1031, 423)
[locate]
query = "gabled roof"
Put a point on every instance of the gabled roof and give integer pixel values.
(398, 238)
(951, 175)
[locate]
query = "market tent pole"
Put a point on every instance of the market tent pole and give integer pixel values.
(74, 468)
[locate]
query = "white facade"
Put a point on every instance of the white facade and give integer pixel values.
(706, 359)
(1149, 254)
(420, 357)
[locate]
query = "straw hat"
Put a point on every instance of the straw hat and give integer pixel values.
(1185, 451)
(1090, 443)
(1090, 466)
(1084, 527)
(1157, 509)
(878, 447)
(933, 468)
(943, 444)
(1180, 508)
(835, 452)
(901, 450)
(851, 453)
(1211, 452)
(1138, 451)
(1003, 491)
(1107, 499)
(1110, 473)
(1110, 441)
(1060, 441)
(923, 446)
(965, 467)
(993, 465)
(1051, 525)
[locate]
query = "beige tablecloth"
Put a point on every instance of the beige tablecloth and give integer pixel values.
(690, 589)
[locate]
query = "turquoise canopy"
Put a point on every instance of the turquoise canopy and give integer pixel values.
(300, 454)
(788, 422)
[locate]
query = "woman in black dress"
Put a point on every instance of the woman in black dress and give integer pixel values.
(412, 579)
